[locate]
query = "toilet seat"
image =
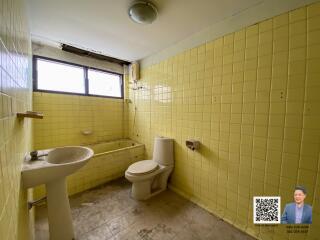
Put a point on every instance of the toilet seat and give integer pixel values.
(142, 167)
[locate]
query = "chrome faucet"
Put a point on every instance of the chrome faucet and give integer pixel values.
(35, 156)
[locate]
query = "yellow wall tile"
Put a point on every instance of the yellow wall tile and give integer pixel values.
(313, 10)
(313, 51)
(280, 20)
(296, 28)
(66, 116)
(297, 54)
(299, 40)
(280, 45)
(252, 30)
(313, 23)
(265, 25)
(15, 136)
(298, 14)
(264, 102)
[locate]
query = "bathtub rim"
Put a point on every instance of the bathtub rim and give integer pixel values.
(116, 150)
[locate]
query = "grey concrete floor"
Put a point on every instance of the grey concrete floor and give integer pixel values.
(108, 213)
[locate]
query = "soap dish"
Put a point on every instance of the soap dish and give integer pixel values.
(30, 114)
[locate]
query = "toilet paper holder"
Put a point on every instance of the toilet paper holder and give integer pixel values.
(193, 144)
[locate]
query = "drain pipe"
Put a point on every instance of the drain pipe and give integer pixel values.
(37, 202)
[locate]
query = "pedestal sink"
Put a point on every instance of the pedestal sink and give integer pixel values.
(52, 171)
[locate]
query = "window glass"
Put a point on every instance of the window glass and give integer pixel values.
(55, 76)
(104, 83)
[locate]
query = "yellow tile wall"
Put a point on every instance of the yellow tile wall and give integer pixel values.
(252, 98)
(15, 135)
(66, 116)
(126, 104)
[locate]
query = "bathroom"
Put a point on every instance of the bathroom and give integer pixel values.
(221, 97)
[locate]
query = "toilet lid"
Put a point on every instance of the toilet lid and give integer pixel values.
(142, 167)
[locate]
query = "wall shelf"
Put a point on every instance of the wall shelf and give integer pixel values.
(30, 114)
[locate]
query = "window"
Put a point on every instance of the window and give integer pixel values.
(55, 76)
(62, 77)
(104, 84)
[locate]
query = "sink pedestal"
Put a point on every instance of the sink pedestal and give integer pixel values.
(59, 213)
(55, 165)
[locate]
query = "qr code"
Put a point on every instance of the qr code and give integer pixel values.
(266, 210)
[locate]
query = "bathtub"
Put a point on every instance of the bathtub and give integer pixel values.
(110, 161)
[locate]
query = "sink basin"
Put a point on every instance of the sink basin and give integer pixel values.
(60, 162)
(52, 170)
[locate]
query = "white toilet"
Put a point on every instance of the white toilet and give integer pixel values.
(150, 177)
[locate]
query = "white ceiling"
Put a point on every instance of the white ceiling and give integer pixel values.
(104, 26)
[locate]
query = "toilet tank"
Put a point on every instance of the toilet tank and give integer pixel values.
(163, 151)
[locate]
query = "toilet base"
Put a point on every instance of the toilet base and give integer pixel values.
(141, 191)
(148, 187)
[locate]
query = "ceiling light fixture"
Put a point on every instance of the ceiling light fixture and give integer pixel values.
(143, 12)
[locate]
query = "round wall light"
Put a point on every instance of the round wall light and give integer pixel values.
(143, 12)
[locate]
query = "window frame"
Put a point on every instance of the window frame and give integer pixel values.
(85, 78)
